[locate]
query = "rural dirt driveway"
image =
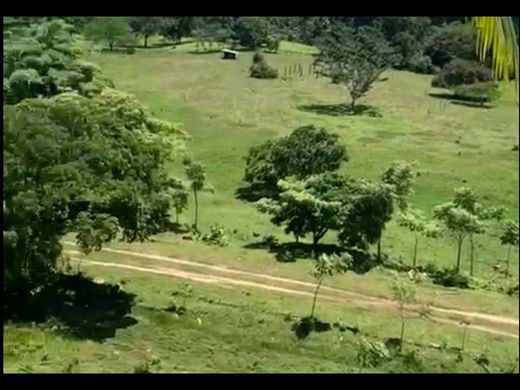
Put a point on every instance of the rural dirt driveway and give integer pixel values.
(228, 277)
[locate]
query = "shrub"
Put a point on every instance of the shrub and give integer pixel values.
(449, 277)
(372, 353)
(456, 40)
(272, 44)
(460, 72)
(216, 236)
(260, 69)
(477, 92)
(422, 64)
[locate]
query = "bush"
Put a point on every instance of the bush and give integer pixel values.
(272, 44)
(460, 72)
(478, 92)
(216, 236)
(449, 277)
(422, 64)
(456, 40)
(260, 69)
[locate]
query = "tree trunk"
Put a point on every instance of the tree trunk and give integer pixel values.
(196, 224)
(459, 250)
(379, 250)
(471, 257)
(176, 216)
(402, 335)
(315, 240)
(352, 102)
(111, 46)
(315, 297)
(463, 338)
(297, 238)
(507, 259)
(145, 41)
(415, 251)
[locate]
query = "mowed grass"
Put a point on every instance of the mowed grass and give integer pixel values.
(240, 330)
(226, 112)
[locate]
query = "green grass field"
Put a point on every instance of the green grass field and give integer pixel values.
(237, 329)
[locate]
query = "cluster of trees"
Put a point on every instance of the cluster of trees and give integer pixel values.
(300, 188)
(82, 157)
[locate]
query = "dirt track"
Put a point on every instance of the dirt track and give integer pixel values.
(487, 322)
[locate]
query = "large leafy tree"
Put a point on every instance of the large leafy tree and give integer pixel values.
(94, 166)
(355, 57)
(109, 30)
(250, 32)
(310, 206)
(306, 151)
(364, 214)
(146, 26)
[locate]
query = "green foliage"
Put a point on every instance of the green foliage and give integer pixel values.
(477, 92)
(417, 223)
(250, 32)
(179, 196)
(109, 30)
(400, 177)
(459, 72)
(196, 174)
(146, 26)
(371, 353)
(94, 161)
(355, 58)
(421, 63)
(364, 215)
(403, 293)
(308, 206)
(260, 69)
(455, 40)
(216, 236)
(272, 44)
(510, 233)
(306, 151)
(450, 277)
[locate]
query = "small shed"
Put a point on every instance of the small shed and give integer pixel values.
(229, 54)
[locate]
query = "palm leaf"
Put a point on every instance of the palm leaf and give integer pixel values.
(496, 34)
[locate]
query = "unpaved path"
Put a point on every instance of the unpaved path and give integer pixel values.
(353, 297)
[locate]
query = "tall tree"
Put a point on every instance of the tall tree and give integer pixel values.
(196, 174)
(417, 223)
(146, 26)
(109, 30)
(355, 57)
(510, 238)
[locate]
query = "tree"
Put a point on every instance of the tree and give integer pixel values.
(400, 178)
(308, 206)
(403, 292)
(250, 32)
(455, 40)
(196, 174)
(146, 26)
(459, 222)
(177, 27)
(179, 194)
(416, 222)
(109, 30)
(364, 214)
(355, 58)
(306, 151)
(84, 165)
(328, 266)
(509, 237)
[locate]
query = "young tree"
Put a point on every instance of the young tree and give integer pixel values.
(364, 214)
(355, 57)
(179, 194)
(459, 222)
(306, 151)
(109, 30)
(328, 266)
(309, 206)
(403, 292)
(146, 26)
(196, 174)
(417, 223)
(400, 179)
(509, 237)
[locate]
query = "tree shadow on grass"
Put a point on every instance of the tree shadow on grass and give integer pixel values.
(458, 101)
(254, 192)
(341, 110)
(80, 307)
(209, 51)
(156, 45)
(289, 252)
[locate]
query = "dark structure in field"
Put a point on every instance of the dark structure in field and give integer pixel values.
(229, 54)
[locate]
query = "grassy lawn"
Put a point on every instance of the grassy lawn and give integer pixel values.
(237, 330)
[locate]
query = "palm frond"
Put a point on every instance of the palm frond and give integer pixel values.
(496, 34)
